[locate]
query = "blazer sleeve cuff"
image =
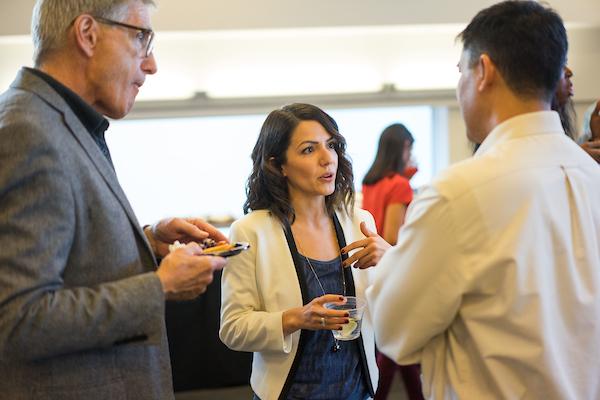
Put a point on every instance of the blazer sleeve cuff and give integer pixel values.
(287, 340)
(274, 323)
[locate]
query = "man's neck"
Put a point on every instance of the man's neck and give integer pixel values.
(513, 109)
(508, 106)
(63, 72)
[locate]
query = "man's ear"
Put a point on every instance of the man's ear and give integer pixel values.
(85, 31)
(486, 72)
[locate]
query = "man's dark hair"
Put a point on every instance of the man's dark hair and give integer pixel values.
(267, 187)
(526, 41)
(390, 151)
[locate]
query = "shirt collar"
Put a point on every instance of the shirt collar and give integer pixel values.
(534, 123)
(92, 120)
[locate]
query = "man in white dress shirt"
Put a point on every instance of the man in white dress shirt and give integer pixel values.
(494, 285)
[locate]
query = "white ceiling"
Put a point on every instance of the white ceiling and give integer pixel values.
(192, 15)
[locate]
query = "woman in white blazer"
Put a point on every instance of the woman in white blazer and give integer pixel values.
(301, 196)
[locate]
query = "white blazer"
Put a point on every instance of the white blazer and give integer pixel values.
(260, 283)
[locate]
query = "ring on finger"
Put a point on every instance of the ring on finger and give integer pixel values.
(322, 321)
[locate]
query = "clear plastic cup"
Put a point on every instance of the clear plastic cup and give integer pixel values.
(355, 307)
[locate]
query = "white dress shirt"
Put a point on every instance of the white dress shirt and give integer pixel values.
(493, 286)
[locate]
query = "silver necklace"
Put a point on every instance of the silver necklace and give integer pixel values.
(336, 345)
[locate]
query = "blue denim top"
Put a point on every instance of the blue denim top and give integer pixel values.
(322, 373)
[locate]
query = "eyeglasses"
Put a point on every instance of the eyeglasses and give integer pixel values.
(144, 36)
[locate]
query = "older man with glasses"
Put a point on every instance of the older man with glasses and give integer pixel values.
(81, 296)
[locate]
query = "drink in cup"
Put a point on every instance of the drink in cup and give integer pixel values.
(355, 308)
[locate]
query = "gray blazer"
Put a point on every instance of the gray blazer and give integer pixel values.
(81, 311)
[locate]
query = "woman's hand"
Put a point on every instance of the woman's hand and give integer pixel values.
(315, 316)
(373, 247)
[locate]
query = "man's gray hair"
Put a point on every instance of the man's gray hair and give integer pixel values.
(52, 18)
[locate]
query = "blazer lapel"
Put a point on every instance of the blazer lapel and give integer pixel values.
(341, 238)
(104, 168)
(340, 228)
(28, 81)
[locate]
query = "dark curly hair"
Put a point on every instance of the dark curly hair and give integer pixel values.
(267, 188)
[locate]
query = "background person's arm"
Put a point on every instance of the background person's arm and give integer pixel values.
(393, 220)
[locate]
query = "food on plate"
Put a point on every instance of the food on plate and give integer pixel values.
(175, 246)
(208, 242)
(220, 248)
(205, 244)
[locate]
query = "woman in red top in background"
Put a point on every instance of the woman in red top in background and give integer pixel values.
(386, 194)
